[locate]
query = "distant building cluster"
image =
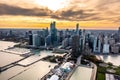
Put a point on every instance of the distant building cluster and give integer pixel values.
(66, 39)
(78, 40)
(109, 43)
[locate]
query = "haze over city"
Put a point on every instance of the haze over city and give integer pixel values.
(90, 14)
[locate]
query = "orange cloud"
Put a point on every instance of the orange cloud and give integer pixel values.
(91, 14)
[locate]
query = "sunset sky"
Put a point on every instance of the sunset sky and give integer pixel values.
(90, 14)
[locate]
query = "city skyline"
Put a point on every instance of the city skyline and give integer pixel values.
(93, 14)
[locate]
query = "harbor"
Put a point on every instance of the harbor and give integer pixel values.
(33, 68)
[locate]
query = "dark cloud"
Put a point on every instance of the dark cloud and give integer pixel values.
(76, 15)
(13, 10)
(96, 18)
(70, 14)
(106, 4)
(101, 11)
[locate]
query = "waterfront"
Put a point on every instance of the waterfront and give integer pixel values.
(40, 68)
(6, 44)
(6, 58)
(115, 59)
(31, 72)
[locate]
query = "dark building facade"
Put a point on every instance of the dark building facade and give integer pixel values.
(75, 46)
(53, 32)
(30, 38)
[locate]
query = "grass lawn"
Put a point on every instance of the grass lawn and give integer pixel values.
(100, 76)
(101, 69)
(101, 73)
(118, 71)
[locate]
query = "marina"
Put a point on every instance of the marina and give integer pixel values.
(24, 71)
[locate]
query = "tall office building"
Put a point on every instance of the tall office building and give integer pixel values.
(65, 43)
(53, 32)
(30, 38)
(119, 31)
(46, 32)
(115, 49)
(70, 41)
(106, 40)
(106, 46)
(48, 40)
(111, 41)
(66, 33)
(75, 46)
(81, 43)
(83, 36)
(42, 41)
(119, 34)
(60, 34)
(77, 29)
(96, 45)
(26, 34)
(10, 33)
(87, 36)
(36, 40)
(91, 42)
(101, 38)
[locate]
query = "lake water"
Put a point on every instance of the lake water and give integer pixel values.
(32, 72)
(39, 69)
(115, 59)
(6, 44)
(6, 58)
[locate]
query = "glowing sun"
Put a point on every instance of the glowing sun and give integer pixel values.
(52, 4)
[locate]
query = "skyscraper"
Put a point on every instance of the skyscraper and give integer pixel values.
(75, 46)
(81, 43)
(53, 33)
(46, 32)
(48, 40)
(119, 34)
(36, 40)
(30, 38)
(65, 43)
(83, 36)
(119, 31)
(96, 45)
(77, 29)
(10, 33)
(106, 45)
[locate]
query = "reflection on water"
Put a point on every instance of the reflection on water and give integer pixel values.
(105, 57)
(6, 44)
(11, 72)
(6, 58)
(36, 72)
(38, 55)
(115, 59)
(32, 72)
